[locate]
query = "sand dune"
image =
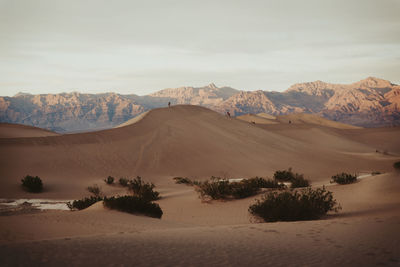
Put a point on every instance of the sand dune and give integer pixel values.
(256, 119)
(303, 118)
(196, 142)
(295, 118)
(218, 234)
(133, 120)
(184, 141)
(8, 130)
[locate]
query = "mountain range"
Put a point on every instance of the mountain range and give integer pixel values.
(371, 102)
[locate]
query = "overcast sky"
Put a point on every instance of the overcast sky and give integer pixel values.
(142, 46)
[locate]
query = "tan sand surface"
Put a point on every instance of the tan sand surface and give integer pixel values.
(256, 119)
(133, 120)
(365, 232)
(185, 141)
(8, 130)
(303, 118)
(197, 143)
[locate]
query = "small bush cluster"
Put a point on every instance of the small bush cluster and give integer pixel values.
(32, 184)
(396, 165)
(284, 176)
(344, 178)
(305, 204)
(264, 183)
(217, 188)
(123, 181)
(83, 203)
(95, 190)
(134, 204)
(109, 180)
(297, 180)
(183, 180)
(143, 189)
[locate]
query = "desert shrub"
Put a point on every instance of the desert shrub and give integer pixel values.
(83, 203)
(299, 181)
(123, 181)
(143, 189)
(109, 180)
(344, 178)
(305, 204)
(396, 165)
(183, 180)
(216, 188)
(296, 179)
(265, 183)
(284, 176)
(134, 204)
(243, 189)
(32, 184)
(95, 190)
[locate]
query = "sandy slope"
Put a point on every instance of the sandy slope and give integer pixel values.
(256, 119)
(8, 130)
(295, 118)
(184, 141)
(303, 118)
(365, 233)
(133, 120)
(196, 142)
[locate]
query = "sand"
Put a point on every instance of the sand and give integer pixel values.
(196, 142)
(8, 130)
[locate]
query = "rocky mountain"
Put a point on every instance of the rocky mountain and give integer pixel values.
(72, 112)
(209, 96)
(370, 102)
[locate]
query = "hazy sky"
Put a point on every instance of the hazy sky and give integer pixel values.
(142, 46)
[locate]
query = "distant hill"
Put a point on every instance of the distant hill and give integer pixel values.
(370, 102)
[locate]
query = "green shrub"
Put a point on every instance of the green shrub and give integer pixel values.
(32, 184)
(344, 178)
(95, 190)
(396, 165)
(83, 203)
(123, 181)
(143, 190)
(134, 204)
(305, 204)
(299, 181)
(284, 176)
(109, 180)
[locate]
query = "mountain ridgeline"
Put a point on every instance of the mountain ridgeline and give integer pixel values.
(371, 102)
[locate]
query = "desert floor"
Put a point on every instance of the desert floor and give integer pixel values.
(197, 143)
